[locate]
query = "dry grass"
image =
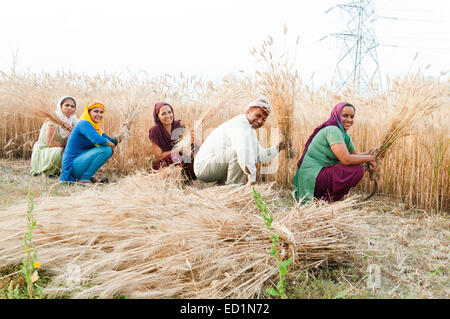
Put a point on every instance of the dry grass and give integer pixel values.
(414, 101)
(280, 83)
(147, 236)
(415, 170)
(410, 247)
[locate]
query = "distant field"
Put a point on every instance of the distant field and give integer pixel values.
(416, 171)
(146, 235)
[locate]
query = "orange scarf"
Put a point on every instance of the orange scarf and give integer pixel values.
(85, 116)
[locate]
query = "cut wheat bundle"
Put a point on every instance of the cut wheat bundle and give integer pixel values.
(415, 99)
(130, 115)
(34, 106)
(280, 84)
(33, 112)
(150, 237)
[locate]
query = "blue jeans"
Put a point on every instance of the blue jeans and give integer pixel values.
(85, 165)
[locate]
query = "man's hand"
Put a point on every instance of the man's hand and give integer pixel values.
(284, 144)
(248, 172)
(195, 139)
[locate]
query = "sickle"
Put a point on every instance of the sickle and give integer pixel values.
(375, 184)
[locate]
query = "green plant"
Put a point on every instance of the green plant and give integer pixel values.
(29, 264)
(280, 290)
(15, 291)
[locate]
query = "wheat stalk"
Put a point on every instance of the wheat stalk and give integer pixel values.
(175, 242)
(409, 109)
(280, 85)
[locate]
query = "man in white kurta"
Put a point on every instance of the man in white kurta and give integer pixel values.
(230, 152)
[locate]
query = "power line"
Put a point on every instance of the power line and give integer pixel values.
(408, 10)
(413, 47)
(359, 47)
(413, 37)
(417, 20)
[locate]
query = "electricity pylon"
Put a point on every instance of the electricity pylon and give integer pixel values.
(357, 65)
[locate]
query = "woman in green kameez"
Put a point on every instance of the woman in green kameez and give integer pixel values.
(47, 151)
(330, 166)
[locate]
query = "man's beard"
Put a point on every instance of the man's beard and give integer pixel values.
(255, 125)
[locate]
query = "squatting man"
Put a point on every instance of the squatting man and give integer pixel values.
(228, 155)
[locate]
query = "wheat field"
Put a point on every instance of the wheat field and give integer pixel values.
(416, 170)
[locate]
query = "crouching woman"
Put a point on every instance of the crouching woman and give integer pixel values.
(330, 165)
(48, 150)
(88, 148)
(164, 135)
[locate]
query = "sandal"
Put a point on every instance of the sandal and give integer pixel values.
(85, 183)
(94, 180)
(104, 180)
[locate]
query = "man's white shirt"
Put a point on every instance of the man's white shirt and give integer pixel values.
(234, 136)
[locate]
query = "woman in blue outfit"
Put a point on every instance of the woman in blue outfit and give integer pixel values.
(88, 148)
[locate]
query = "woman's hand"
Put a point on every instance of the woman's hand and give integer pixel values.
(372, 165)
(341, 152)
(113, 147)
(373, 151)
(176, 150)
(67, 126)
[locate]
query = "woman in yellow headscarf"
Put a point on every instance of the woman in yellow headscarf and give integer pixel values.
(88, 148)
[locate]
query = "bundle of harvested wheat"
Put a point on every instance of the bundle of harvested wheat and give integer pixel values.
(130, 115)
(34, 110)
(36, 106)
(147, 236)
(280, 85)
(414, 99)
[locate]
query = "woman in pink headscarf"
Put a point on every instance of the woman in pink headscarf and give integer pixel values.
(330, 166)
(163, 135)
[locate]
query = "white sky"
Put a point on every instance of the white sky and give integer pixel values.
(211, 38)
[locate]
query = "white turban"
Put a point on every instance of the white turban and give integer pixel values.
(262, 103)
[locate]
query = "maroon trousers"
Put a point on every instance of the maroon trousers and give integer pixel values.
(335, 182)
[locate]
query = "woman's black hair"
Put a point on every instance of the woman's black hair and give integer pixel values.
(68, 98)
(348, 104)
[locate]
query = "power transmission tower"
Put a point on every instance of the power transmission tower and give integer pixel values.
(357, 65)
